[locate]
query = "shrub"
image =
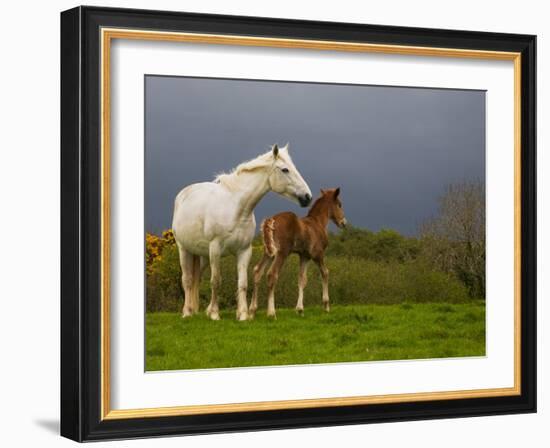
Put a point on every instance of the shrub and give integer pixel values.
(386, 245)
(352, 280)
(163, 285)
(454, 240)
(154, 246)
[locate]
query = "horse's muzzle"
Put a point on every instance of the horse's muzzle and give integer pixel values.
(304, 200)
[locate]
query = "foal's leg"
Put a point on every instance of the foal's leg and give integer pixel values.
(259, 270)
(272, 278)
(215, 280)
(243, 260)
(324, 278)
(186, 264)
(302, 282)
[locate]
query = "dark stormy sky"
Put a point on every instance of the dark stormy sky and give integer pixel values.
(390, 149)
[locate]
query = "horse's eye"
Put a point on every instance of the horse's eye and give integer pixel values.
(284, 170)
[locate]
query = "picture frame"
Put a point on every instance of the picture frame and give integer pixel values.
(86, 37)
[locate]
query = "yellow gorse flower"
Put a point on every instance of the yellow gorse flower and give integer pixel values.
(154, 246)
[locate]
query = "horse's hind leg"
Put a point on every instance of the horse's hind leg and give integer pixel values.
(243, 260)
(215, 280)
(196, 279)
(302, 282)
(259, 270)
(272, 278)
(186, 263)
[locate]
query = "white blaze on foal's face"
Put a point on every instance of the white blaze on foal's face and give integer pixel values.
(286, 180)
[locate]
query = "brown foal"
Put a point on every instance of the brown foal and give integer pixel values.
(286, 233)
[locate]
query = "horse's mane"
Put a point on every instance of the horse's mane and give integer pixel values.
(230, 180)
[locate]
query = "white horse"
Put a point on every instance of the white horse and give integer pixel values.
(215, 218)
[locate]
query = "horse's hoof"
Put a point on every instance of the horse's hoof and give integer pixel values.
(251, 315)
(186, 314)
(272, 316)
(300, 312)
(212, 314)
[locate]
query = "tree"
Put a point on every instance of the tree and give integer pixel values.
(454, 241)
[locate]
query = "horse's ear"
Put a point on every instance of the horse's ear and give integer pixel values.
(323, 192)
(336, 192)
(275, 151)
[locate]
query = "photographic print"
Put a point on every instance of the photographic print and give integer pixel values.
(253, 207)
(292, 223)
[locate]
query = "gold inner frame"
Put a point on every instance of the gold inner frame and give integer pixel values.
(107, 35)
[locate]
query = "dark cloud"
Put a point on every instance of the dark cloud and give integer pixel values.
(391, 149)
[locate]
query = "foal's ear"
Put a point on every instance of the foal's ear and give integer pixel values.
(336, 192)
(275, 151)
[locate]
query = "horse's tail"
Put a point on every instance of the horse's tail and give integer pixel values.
(268, 235)
(195, 282)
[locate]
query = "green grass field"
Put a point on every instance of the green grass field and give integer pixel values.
(348, 333)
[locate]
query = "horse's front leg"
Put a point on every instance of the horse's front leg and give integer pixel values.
(324, 278)
(243, 260)
(186, 263)
(215, 280)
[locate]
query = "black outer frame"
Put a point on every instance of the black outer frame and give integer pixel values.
(80, 223)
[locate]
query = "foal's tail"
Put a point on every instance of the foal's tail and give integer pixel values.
(195, 283)
(268, 236)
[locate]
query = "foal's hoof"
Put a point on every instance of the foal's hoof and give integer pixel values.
(300, 312)
(272, 315)
(327, 307)
(186, 314)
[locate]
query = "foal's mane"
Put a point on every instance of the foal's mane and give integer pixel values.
(317, 206)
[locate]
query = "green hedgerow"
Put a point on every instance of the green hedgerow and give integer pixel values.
(352, 280)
